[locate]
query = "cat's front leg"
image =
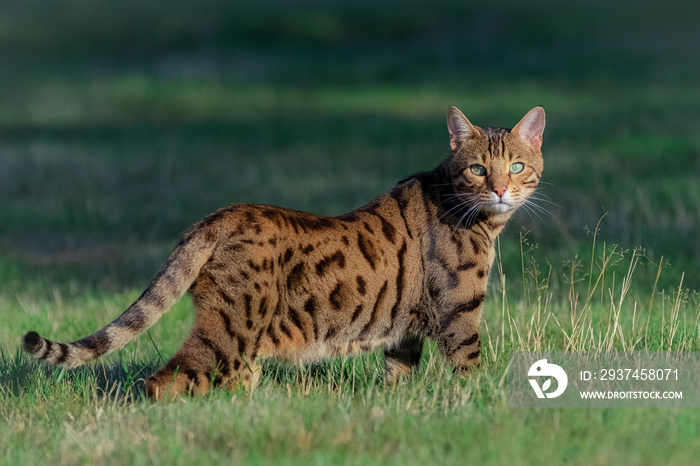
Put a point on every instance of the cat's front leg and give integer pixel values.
(458, 337)
(404, 358)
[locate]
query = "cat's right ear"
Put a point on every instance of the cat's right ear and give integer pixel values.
(460, 128)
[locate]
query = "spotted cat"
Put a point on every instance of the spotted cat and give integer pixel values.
(271, 282)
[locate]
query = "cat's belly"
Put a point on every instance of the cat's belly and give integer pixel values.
(316, 351)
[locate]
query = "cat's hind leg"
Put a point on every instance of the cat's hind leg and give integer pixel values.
(223, 349)
(201, 364)
(189, 371)
(401, 360)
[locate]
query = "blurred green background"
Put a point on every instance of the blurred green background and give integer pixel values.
(121, 123)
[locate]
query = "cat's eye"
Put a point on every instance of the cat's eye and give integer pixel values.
(517, 167)
(478, 170)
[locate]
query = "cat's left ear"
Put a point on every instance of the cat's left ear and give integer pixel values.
(531, 127)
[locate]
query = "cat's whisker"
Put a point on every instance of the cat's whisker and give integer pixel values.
(459, 222)
(469, 215)
(533, 202)
(534, 208)
(540, 208)
(460, 198)
(539, 192)
(529, 210)
(459, 209)
(526, 209)
(459, 206)
(460, 194)
(538, 197)
(468, 196)
(472, 216)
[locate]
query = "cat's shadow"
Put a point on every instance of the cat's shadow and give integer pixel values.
(115, 379)
(122, 381)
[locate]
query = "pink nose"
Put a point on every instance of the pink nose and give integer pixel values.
(500, 190)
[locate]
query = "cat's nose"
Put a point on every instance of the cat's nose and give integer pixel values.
(500, 190)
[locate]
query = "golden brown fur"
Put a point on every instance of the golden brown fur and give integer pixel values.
(271, 282)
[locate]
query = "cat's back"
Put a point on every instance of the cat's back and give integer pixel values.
(356, 276)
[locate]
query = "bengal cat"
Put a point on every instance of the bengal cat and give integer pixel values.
(270, 282)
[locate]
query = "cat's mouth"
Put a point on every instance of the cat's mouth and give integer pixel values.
(500, 204)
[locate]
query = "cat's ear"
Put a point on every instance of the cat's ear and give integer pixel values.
(460, 128)
(531, 127)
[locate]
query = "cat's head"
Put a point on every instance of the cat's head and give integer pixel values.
(494, 170)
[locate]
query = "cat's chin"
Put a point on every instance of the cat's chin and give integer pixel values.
(499, 208)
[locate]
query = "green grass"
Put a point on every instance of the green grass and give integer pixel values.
(340, 411)
(120, 127)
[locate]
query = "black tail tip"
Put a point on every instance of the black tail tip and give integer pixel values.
(32, 342)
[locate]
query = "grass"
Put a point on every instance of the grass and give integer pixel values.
(341, 411)
(118, 135)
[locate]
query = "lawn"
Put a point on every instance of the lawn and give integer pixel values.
(121, 126)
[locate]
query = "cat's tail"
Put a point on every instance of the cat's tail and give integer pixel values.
(172, 281)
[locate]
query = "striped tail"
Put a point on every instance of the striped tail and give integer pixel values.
(171, 282)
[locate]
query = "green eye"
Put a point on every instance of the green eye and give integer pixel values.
(517, 167)
(478, 170)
